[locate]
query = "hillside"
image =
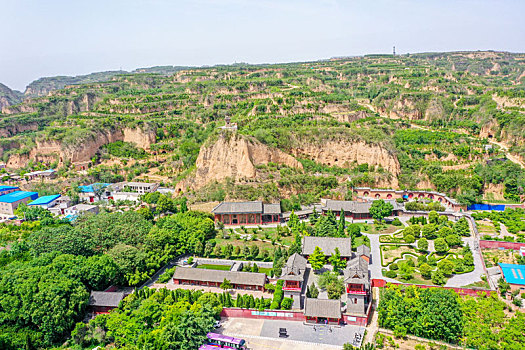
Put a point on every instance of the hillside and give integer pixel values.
(441, 121)
(9, 97)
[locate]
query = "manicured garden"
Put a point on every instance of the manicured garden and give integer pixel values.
(409, 257)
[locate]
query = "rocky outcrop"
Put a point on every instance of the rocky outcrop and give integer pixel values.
(345, 153)
(14, 129)
(142, 138)
(234, 156)
(53, 150)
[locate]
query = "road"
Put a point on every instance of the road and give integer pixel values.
(470, 277)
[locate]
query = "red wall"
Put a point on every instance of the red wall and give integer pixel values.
(498, 244)
(247, 313)
(296, 316)
(460, 291)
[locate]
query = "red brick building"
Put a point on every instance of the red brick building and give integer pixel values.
(247, 213)
(214, 278)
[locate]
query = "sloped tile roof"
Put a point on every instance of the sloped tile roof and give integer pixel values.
(205, 275)
(322, 308)
(327, 245)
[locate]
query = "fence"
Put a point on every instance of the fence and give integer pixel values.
(461, 291)
(501, 244)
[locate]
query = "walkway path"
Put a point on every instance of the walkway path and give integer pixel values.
(470, 277)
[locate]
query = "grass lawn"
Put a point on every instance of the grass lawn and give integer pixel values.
(214, 267)
(361, 240)
(392, 252)
(265, 270)
(480, 284)
(377, 229)
(494, 256)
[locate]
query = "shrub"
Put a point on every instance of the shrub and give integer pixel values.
(422, 244)
(391, 274)
(410, 239)
(440, 245)
(286, 304)
(393, 266)
(397, 222)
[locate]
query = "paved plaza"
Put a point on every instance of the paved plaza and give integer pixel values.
(264, 334)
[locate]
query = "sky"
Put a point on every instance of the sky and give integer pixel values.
(71, 37)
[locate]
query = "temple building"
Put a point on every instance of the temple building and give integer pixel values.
(356, 210)
(327, 245)
(214, 278)
(324, 311)
(357, 285)
(247, 213)
(293, 275)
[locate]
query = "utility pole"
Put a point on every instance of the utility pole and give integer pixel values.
(394, 51)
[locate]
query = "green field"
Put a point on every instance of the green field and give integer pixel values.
(214, 267)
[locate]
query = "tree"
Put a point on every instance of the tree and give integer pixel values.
(453, 240)
(405, 270)
(314, 217)
(438, 278)
(254, 251)
(335, 289)
(422, 245)
(429, 231)
(381, 209)
(317, 259)
(433, 217)
(312, 291)
(286, 304)
(503, 286)
(440, 245)
(228, 251)
(410, 239)
(425, 270)
(336, 261)
(446, 266)
(293, 221)
(342, 224)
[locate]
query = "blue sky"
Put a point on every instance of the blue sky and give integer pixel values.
(59, 37)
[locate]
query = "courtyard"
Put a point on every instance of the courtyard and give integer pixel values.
(264, 334)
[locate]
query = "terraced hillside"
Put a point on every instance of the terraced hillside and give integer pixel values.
(443, 121)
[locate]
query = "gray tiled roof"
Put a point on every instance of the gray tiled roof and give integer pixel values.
(347, 206)
(105, 298)
(356, 207)
(327, 245)
(274, 208)
(357, 272)
(322, 308)
(294, 268)
(247, 207)
(363, 250)
(238, 207)
(205, 275)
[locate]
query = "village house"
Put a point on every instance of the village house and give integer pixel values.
(246, 213)
(132, 190)
(356, 210)
(514, 275)
(9, 202)
(8, 189)
(390, 194)
(327, 245)
(323, 311)
(45, 202)
(214, 278)
(94, 192)
(44, 174)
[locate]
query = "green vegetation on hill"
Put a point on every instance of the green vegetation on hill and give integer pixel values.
(436, 113)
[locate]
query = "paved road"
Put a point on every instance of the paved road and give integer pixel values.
(470, 277)
(375, 264)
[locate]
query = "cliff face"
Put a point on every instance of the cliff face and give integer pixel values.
(234, 156)
(52, 150)
(14, 129)
(344, 153)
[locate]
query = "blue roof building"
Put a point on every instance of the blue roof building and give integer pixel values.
(7, 189)
(17, 196)
(9, 202)
(45, 201)
(89, 188)
(513, 273)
